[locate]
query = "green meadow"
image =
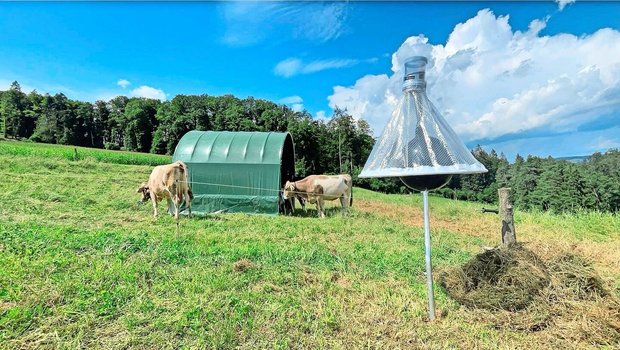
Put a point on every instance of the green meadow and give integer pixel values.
(83, 265)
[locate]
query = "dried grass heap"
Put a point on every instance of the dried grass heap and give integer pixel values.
(562, 297)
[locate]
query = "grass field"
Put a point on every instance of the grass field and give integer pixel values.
(31, 149)
(83, 266)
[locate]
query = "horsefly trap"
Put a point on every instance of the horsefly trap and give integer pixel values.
(419, 147)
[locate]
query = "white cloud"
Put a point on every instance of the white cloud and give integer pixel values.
(294, 102)
(104, 96)
(249, 23)
(602, 143)
(149, 92)
(291, 99)
(562, 3)
(322, 23)
(293, 66)
(87, 95)
(560, 145)
(297, 107)
(317, 66)
(320, 115)
(288, 67)
(490, 81)
(123, 83)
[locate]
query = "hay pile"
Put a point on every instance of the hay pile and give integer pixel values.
(562, 298)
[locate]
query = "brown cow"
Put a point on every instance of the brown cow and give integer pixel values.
(170, 182)
(318, 188)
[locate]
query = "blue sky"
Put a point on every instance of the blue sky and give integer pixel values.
(299, 53)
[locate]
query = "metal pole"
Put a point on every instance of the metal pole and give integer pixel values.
(429, 267)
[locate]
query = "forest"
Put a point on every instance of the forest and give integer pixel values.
(340, 144)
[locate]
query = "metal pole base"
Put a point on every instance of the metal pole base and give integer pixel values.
(429, 267)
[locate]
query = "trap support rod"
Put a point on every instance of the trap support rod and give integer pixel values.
(427, 251)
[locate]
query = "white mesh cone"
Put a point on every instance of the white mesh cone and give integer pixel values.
(417, 140)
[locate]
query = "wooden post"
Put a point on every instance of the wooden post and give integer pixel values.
(506, 213)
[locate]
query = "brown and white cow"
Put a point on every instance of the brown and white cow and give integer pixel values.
(168, 181)
(316, 189)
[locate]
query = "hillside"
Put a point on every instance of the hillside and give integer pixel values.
(574, 159)
(83, 265)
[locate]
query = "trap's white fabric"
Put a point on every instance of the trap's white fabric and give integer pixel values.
(417, 140)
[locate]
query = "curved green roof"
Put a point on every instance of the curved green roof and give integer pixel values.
(237, 171)
(231, 147)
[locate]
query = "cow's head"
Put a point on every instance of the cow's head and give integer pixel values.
(289, 190)
(145, 193)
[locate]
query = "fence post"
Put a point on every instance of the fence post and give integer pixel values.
(506, 213)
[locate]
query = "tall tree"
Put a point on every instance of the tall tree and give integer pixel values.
(101, 115)
(139, 123)
(13, 106)
(50, 128)
(116, 122)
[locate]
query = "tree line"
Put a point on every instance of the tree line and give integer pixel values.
(147, 125)
(544, 183)
(341, 144)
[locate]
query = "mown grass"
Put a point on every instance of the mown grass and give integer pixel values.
(12, 148)
(593, 235)
(82, 265)
(588, 225)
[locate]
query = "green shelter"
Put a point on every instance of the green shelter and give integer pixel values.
(237, 171)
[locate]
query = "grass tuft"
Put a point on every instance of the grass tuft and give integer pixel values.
(242, 265)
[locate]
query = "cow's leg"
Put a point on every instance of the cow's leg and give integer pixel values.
(170, 199)
(177, 199)
(291, 205)
(344, 201)
(188, 202)
(170, 207)
(320, 205)
(302, 202)
(154, 201)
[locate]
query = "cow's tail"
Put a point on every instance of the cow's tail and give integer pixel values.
(183, 167)
(186, 177)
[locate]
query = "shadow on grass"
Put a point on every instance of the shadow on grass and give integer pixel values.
(312, 213)
(206, 217)
(210, 217)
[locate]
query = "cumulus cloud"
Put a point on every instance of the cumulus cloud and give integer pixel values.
(562, 3)
(123, 83)
(149, 92)
(493, 83)
(294, 66)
